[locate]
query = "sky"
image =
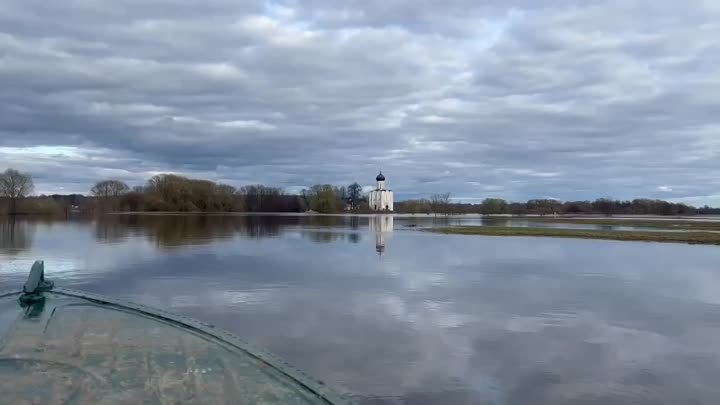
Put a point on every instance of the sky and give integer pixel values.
(516, 99)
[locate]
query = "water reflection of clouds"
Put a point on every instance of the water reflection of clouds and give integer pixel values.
(454, 319)
(474, 340)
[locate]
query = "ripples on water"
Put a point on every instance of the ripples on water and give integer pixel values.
(391, 315)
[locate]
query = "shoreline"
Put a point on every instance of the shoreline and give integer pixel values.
(673, 223)
(586, 219)
(244, 214)
(690, 237)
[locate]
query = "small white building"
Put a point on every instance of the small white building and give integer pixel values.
(380, 199)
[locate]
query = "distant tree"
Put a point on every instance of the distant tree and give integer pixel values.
(324, 198)
(108, 193)
(342, 192)
(132, 201)
(413, 206)
(354, 195)
(604, 206)
(109, 188)
(577, 207)
(169, 192)
(544, 206)
(517, 208)
(707, 210)
(440, 203)
(492, 206)
(260, 198)
(226, 188)
(226, 199)
(15, 185)
(203, 195)
(66, 200)
(684, 209)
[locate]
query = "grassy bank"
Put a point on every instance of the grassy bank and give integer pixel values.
(661, 223)
(693, 237)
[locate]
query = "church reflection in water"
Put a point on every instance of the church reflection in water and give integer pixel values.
(382, 227)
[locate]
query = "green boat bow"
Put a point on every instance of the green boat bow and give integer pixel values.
(59, 346)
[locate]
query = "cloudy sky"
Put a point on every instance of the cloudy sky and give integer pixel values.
(514, 98)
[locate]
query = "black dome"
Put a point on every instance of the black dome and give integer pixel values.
(380, 177)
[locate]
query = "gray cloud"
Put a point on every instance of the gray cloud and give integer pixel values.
(515, 99)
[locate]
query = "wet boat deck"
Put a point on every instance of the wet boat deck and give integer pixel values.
(68, 350)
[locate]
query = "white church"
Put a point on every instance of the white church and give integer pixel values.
(380, 199)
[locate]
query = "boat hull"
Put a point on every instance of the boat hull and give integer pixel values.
(71, 347)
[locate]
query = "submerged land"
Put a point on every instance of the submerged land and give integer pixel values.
(668, 223)
(669, 231)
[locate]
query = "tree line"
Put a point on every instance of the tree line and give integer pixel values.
(600, 206)
(171, 192)
(15, 190)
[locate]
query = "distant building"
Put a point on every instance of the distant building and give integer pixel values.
(380, 199)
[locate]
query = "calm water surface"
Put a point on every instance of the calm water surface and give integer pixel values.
(391, 315)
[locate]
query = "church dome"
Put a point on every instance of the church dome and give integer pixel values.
(380, 177)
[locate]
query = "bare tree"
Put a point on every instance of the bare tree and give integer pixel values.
(226, 189)
(108, 193)
(604, 205)
(260, 198)
(440, 203)
(109, 188)
(15, 185)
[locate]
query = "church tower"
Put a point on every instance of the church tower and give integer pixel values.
(380, 181)
(380, 199)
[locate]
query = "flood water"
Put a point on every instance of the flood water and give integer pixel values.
(392, 315)
(460, 220)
